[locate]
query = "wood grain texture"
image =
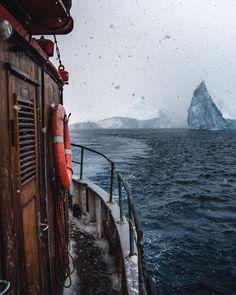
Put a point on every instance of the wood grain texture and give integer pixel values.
(27, 256)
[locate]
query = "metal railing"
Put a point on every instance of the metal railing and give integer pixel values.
(135, 231)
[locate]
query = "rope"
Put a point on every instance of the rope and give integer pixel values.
(62, 233)
(61, 229)
(57, 51)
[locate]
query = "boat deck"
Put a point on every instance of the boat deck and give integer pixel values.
(94, 268)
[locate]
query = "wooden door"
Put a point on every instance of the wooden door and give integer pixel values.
(26, 170)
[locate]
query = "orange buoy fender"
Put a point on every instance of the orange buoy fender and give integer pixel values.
(62, 147)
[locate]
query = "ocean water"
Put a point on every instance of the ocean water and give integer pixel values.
(184, 185)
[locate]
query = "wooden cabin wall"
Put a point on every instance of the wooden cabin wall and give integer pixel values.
(47, 93)
(51, 98)
(10, 238)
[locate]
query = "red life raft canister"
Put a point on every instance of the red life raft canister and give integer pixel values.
(62, 147)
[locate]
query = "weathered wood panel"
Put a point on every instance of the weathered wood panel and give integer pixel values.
(51, 98)
(9, 254)
(16, 246)
(29, 214)
(24, 166)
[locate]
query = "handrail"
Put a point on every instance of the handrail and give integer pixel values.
(135, 231)
(127, 189)
(81, 163)
(139, 231)
(92, 150)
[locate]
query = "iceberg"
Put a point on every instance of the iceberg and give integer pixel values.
(204, 114)
(162, 121)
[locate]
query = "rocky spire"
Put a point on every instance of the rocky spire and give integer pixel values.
(204, 114)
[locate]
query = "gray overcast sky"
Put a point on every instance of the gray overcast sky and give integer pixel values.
(135, 57)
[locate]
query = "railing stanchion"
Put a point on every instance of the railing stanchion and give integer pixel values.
(112, 182)
(141, 264)
(120, 198)
(131, 230)
(81, 162)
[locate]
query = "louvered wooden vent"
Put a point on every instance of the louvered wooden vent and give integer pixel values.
(26, 121)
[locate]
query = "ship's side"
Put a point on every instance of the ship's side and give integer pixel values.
(29, 86)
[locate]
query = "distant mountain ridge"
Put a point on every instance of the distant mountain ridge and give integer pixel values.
(204, 114)
(162, 121)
